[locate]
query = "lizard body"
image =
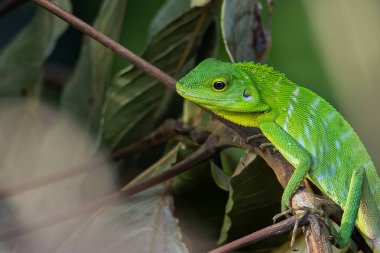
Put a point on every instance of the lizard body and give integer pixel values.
(304, 128)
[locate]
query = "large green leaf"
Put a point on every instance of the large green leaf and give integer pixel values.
(254, 196)
(134, 34)
(171, 10)
(136, 101)
(84, 94)
(22, 60)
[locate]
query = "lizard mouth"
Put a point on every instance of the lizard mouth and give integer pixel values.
(202, 98)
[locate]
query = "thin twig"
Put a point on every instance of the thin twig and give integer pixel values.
(169, 129)
(164, 132)
(108, 42)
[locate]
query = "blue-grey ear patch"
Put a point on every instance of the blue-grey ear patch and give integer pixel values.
(247, 95)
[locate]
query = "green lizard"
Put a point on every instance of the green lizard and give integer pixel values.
(304, 128)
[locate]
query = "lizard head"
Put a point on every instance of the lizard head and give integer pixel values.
(221, 87)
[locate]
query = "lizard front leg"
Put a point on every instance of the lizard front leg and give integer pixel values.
(294, 153)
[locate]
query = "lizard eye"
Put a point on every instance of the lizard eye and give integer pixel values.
(219, 85)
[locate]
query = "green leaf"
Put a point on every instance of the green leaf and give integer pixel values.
(220, 177)
(170, 11)
(84, 94)
(193, 115)
(254, 198)
(230, 159)
(232, 165)
(244, 36)
(22, 60)
(134, 34)
(136, 101)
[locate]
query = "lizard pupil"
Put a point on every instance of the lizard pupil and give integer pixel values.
(219, 85)
(246, 94)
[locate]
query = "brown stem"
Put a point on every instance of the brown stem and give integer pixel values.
(108, 42)
(169, 129)
(161, 134)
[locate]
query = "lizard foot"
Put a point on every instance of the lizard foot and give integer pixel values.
(335, 239)
(292, 211)
(256, 138)
(287, 213)
(267, 144)
(251, 139)
(300, 213)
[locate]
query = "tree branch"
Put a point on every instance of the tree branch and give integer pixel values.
(169, 129)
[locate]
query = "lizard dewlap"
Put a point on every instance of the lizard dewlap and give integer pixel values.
(295, 120)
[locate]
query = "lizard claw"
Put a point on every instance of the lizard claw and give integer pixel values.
(285, 213)
(296, 225)
(331, 238)
(300, 213)
(253, 138)
(265, 145)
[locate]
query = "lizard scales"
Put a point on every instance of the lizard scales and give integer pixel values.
(298, 121)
